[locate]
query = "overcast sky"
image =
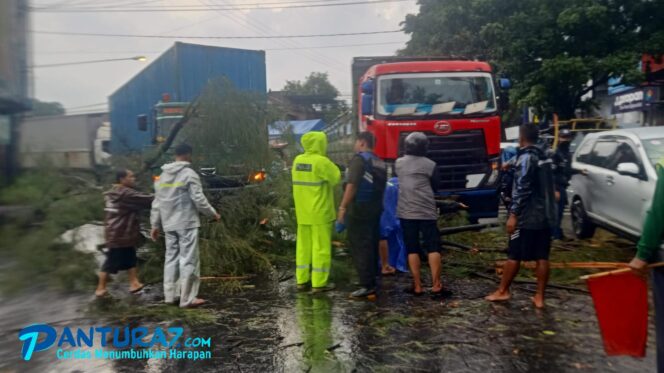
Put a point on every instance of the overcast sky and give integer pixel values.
(76, 86)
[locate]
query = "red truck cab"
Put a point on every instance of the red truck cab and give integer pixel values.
(456, 104)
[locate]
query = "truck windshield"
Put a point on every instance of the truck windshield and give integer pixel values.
(167, 114)
(654, 149)
(421, 94)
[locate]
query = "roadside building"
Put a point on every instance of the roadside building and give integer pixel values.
(635, 105)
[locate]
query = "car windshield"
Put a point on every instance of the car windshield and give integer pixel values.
(435, 93)
(654, 149)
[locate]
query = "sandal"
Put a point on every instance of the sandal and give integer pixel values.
(391, 271)
(137, 289)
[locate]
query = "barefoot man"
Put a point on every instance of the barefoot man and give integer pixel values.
(527, 225)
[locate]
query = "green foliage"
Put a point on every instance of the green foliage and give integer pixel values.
(253, 235)
(41, 108)
(31, 245)
(316, 84)
(230, 130)
(324, 94)
(550, 48)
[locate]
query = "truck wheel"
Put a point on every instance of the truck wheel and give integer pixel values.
(583, 227)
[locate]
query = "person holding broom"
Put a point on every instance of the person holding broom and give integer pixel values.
(649, 251)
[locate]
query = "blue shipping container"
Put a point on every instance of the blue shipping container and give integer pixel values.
(182, 72)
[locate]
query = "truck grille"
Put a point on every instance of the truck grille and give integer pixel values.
(457, 155)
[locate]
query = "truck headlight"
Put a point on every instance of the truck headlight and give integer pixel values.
(258, 177)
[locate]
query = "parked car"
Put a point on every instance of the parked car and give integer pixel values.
(614, 180)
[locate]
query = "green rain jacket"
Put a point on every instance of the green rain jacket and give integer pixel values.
(314, 179)
(652, 236)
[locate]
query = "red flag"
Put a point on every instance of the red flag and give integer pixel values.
(621, 304)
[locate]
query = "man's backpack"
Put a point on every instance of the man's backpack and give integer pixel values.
(374, 178)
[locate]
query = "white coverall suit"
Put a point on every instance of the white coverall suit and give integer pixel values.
(178, 200)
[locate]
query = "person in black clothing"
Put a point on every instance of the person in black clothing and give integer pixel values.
(528, 224)
(562, 158)
(361, 209)
(508, 157)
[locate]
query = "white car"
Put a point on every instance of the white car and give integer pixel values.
(615, 180)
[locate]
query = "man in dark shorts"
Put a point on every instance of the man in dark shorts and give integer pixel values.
(528, 226)
(417, 211)
(361, 209)
(122, 205)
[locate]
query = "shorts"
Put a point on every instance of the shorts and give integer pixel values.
(421, 236)
(119, 259)
(530, 244)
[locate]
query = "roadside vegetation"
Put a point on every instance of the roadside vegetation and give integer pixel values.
(33, 254)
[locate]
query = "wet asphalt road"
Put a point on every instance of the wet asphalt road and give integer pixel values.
(273, 328)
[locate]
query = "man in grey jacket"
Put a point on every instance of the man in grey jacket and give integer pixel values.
(178, 200)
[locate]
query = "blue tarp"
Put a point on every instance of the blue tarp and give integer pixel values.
(390, 228)
(298, 127)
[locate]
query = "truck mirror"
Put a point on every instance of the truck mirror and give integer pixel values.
(368, 87)
(142, 121)
(367, 104)
(505, 84)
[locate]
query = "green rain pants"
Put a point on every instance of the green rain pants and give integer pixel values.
(313, 254)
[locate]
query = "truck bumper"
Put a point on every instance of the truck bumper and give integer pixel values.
(482, 203)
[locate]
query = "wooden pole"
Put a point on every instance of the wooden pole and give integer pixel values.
(617, 271)
(579, 265)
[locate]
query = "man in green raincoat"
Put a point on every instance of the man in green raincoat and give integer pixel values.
(649, 250)
(314, 179)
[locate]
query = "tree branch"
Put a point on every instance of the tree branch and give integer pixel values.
(191, 112)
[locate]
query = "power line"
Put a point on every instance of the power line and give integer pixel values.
(87, 106)
(136, 58)
(256, 6)
(266, 30)
(337, 46)
(212, 37)
(58, 52)
(132, 5)
(47, 52)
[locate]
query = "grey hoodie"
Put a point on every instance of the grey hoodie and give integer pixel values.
(178, 199)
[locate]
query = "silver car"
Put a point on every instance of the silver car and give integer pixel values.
(614, 180)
